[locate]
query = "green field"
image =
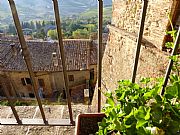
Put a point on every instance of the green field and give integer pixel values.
(93, 12)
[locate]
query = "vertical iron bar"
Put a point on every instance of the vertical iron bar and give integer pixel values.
(140, 35)
(168, 71)
(26, 54)
(61, 52)
(5, 90)
(100, 18)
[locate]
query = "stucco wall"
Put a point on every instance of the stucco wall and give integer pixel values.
(26, 89)
(80, 77)
(53, 81)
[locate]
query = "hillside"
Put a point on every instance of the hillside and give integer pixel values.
(43, 9)
(107, 11)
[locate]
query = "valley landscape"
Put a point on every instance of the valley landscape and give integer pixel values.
(38, 10)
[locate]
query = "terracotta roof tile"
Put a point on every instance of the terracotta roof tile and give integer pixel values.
(76, 52)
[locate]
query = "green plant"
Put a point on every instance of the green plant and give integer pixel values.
(172, 33)
(4, 103)
(21, 103)
(139, 109)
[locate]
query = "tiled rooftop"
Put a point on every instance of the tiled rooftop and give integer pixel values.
(79, 54)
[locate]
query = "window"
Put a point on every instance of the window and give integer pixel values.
(31, 95)
(23, 81)
(71, 77)
(54, 55)
(92, 74)
(26, 81)
(41, 82)
(1, 92)
(21, 94)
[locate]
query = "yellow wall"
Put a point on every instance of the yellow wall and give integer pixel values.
(53, 81)
(16, 80)
(80, 77)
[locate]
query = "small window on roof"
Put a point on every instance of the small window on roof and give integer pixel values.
(54, 54)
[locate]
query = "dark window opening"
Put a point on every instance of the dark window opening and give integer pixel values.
(31, 95)
(71, 77)
(23, 81)
(1, 92)
(26, 81)
(92, 74)
(41, 82)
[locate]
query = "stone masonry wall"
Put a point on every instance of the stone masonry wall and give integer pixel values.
(118, 59)
(126, 15)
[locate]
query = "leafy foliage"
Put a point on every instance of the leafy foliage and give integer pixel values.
(172, 33)
(52, 34)
(136, 109)
(72, 27)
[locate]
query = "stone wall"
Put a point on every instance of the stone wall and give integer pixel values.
(126, 15)
(118, 59)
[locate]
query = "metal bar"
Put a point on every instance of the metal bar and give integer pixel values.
(140, 35)
(26, 54)
(168, 71)
(5, 90)
(61, 52)
(37, 122)
(100, 27)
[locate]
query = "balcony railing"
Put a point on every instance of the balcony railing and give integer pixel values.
(27, 58)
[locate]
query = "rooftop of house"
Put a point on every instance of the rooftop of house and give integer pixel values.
(80, 53)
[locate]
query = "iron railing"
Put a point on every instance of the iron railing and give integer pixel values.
(26, 55)
(27, 58)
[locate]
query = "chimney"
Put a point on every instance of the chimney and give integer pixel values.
(54, 59)
(13, 49)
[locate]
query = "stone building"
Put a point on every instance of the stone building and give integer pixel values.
(81, 60)
(118, 59)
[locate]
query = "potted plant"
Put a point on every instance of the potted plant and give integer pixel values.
(140, 110)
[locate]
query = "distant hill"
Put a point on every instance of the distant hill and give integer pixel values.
(43, 9)
(107, 11)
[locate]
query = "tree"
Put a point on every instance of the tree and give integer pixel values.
(43, 24)
(32, 26)
(12, 29)
(91, 28)
(52, 34)
(38, 25)
(80, 33)
(39, 34)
